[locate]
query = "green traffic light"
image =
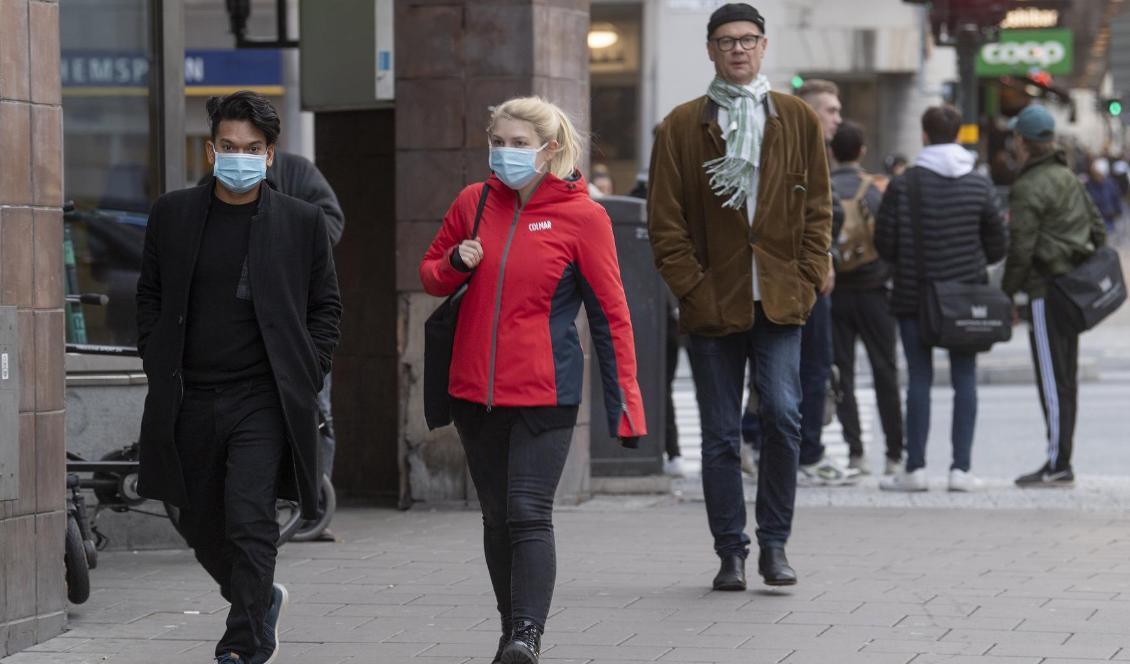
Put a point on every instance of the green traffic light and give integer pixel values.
(1114, 107)
(797, 81)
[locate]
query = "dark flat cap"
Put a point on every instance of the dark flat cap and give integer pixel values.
(734, 11)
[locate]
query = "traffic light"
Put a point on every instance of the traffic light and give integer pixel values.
(797, 81)
(1113, 107)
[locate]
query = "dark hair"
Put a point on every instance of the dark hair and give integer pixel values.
(941, 124)
(893, 161)
(848, 142)
(245, 105)
(817, 86)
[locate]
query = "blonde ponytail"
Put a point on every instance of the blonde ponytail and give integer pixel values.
(550, 123)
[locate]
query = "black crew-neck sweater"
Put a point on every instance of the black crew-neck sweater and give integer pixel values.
(223, 343)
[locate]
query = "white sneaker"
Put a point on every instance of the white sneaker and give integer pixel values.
(892, 466)
(965, 481)
(860, 463)
(674, 467)
(749, 460)
(826, 473)
(912, 481)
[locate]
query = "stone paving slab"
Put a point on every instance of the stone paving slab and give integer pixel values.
(899, 584)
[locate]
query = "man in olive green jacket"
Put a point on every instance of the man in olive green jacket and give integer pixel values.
(1054, 226)
(740, 217)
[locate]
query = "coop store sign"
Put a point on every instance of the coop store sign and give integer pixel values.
(1020, 51)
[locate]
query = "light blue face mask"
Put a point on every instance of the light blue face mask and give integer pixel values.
(239, 173)
(516, 167)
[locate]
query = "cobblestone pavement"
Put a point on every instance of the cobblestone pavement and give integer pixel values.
(878, 585)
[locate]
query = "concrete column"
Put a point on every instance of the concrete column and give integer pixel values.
(454, 58)
(32, 520)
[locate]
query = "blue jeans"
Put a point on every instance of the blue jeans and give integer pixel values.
(963, 377)
(718, 365)
(815, 366)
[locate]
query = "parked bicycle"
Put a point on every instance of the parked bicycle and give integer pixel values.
(113, 481)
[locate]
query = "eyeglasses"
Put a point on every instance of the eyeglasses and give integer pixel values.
(748, 42)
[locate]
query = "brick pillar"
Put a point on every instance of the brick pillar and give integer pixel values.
(454, 58)
(32, 520)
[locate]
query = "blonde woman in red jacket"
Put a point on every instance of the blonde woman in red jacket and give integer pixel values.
(543, 248)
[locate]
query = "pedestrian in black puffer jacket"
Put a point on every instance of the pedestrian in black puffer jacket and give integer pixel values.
(962, 233)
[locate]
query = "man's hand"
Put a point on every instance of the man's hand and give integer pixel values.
(829, 283)
(471, 253)
(1015, 315)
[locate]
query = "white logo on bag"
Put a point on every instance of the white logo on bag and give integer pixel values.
(1106, 284)
(980, 311)
(541, 226)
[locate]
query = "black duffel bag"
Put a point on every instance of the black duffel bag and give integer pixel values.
(954, 315)
(439, 338)
(1093, 290)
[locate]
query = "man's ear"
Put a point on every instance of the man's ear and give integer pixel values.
(210, 153)
(270, 155)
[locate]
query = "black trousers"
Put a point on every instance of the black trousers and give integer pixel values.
(231, 441)
(1055, 352)
(865, 315)
(516, 470)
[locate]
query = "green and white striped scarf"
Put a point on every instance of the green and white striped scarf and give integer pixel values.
(732, 176)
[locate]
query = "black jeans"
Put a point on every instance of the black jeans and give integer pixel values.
(815, 366)
(865, 314)
(516, 469)
(718, 364)
(231, 441)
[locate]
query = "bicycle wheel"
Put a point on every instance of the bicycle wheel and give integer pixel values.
(309, 531)
(288, 513)
(74, 559)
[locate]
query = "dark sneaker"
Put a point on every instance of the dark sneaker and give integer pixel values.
(228, 658)
(1047, 478)
(525, 644)
(269, 650)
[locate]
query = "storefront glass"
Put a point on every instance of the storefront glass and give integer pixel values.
(109, 178)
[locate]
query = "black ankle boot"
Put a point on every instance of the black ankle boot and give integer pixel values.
(525, 644)
(502, 641)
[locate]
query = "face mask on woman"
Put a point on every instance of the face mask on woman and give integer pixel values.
(239, 172)
(516, 167)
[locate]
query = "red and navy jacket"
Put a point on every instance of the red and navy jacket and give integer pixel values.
(516, 343)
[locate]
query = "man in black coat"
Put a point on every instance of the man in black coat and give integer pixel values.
(237, 313)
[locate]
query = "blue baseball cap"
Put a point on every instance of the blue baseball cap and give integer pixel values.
(1034, 123)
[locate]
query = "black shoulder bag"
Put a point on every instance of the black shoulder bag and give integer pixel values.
(951, 314)
(1093, 290)
(439, 338)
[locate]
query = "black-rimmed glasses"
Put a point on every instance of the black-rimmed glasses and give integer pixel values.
(748, 42)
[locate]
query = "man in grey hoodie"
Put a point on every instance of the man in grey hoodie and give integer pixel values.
(962, 233)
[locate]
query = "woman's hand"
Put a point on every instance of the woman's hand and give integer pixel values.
(471, 253)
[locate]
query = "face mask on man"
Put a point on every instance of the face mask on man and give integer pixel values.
(239, 173)
(516, 167)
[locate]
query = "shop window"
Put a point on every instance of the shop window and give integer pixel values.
(109, 178)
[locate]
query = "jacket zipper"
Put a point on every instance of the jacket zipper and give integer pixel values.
(498, 299)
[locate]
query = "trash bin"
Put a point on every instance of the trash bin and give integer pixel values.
(647, 302)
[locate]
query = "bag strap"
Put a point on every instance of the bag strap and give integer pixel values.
(479, 210)
(912, 177)
(865, 182)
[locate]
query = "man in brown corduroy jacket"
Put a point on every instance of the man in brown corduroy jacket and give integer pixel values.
(740, 218)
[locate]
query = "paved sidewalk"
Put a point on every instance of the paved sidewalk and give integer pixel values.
(878, 585)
